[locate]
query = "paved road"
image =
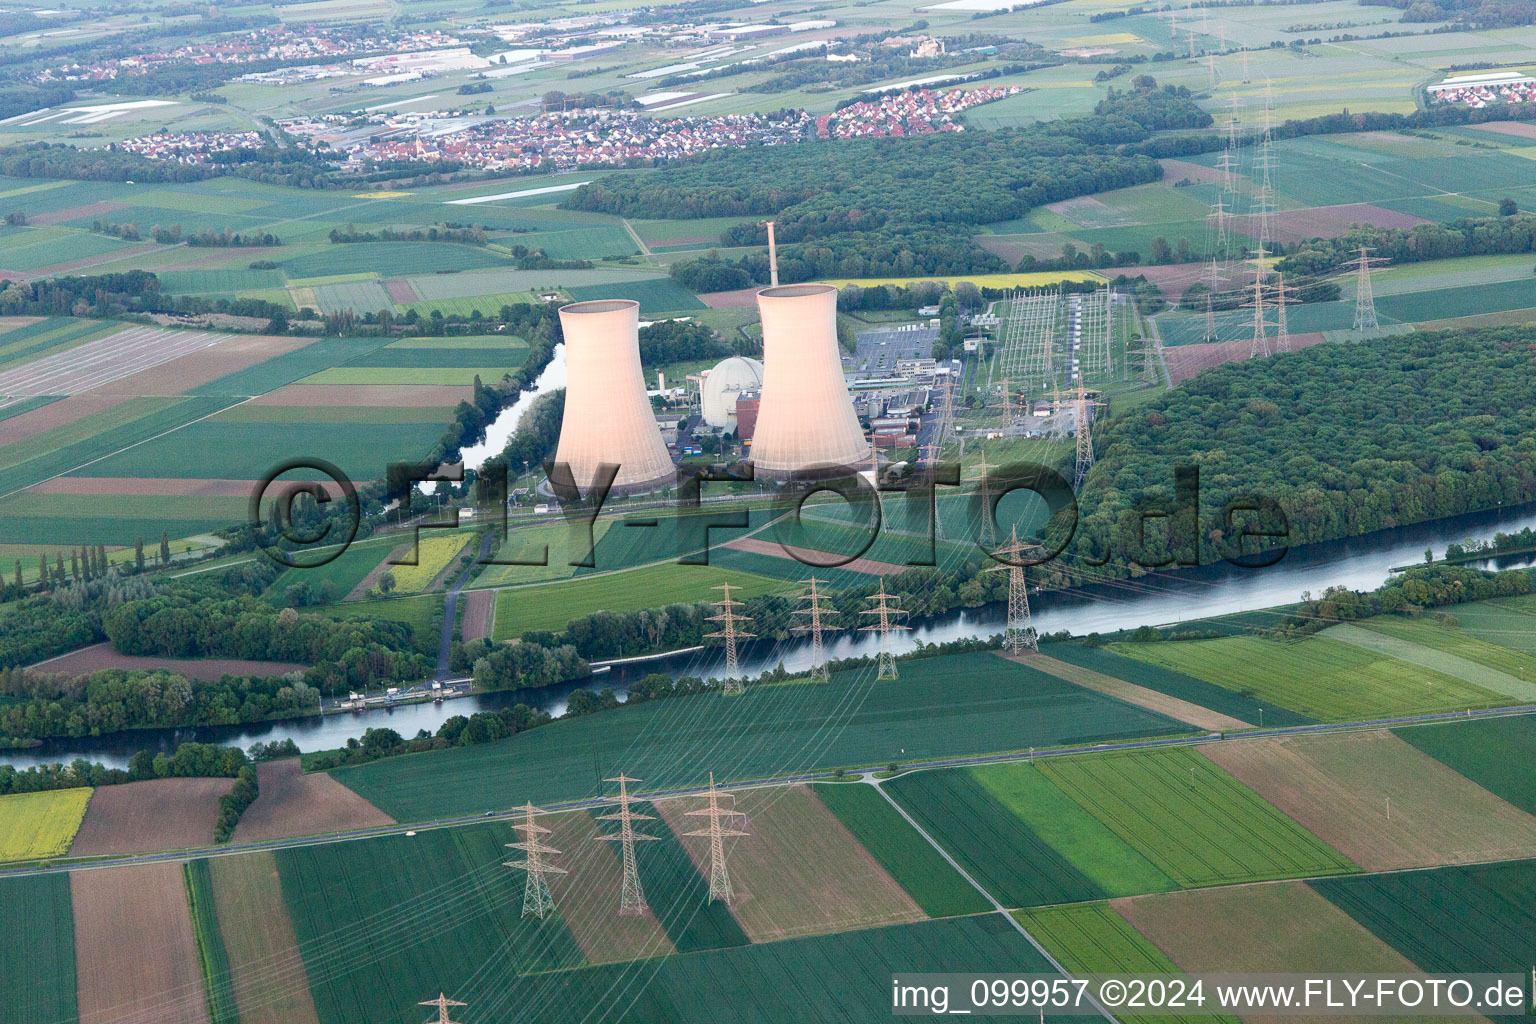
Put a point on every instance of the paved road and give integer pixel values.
(777, 780)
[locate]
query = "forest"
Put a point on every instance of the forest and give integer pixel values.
(113, 700)
(1473, 236)
(895, 207)
(1347, 439)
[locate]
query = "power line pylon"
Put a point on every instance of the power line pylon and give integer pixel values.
(730, 634)
(719, 875)
(1259, 345)
(631, 896)
(1082, 406)
(988, 528)
(1282, 332)
(885, 627)
(537, 899)
(1019, 635)
(814, 627)
(1365, 302)
(442, 1003)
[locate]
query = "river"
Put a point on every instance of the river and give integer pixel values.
(1361, 563)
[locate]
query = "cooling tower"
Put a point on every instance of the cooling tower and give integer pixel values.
(607, 415)
(806, 418)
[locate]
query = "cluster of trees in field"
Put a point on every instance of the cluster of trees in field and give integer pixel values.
(457, 731)
(113, 295)
(1466, 13)
(1407, 592)
(1347, 439)
(868, 207)
(1510, 232)
(272, 164)
(676, 341)
(466, 234)
(234, 803)
(511, 666)
(187, 761)
(46, 705)
(1502, 543)
(207, 238)
(344, 654)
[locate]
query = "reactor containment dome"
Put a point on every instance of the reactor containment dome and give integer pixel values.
(806, 420)
(608, 418)
(729, 378)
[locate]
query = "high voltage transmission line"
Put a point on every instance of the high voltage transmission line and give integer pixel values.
(885, 627)
(1019, 635)
(730, 634)
(815, 627)
(631, 895)
(537, 899)
(721, 825)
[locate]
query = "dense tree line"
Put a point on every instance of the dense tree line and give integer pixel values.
(457, 731)
(436, 233)
(272, 164)
(1465, 13)
(1347, 439)
(676, 341)
(187, 761)
(1405, 593)
(112, 295)
(234, 803)
(512, 666)
(1472, 236)
(1166, 109)
(47, 705)
(344, 654)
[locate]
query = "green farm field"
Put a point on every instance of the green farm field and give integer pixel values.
(418, 611)
(461, 376)
(1191, 819)
(486, 304)
(906, 856)
(1459, 919)
(37, 962)
(436, 909)
(1241, 706)
(1324, 679)
(1495, 753)
(661, 295)
(1447, 649)
(1506, 621)
(248, 451)
(1022, 839)
(1090, 938)
(940, 707)
(551, 606)
(777, 981)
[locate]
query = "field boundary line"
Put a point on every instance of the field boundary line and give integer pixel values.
(1019, 927)
(126, 447)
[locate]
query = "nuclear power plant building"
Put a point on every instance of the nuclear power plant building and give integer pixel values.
(723, 385)
(805, 419)
(608, 418)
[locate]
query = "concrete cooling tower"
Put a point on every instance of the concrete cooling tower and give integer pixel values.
(607, 415)
(806, 418)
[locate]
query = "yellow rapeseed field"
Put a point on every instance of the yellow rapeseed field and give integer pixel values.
(433, 555)
(36, 825)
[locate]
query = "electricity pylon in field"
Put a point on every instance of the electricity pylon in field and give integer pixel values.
(1019, 635)
(537, 899)
(730, 634)
(442, 1003)
(722, 823)
(885, 627)
(631, 896)
(815, 610)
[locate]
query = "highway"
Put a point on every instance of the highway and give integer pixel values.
(65, 864)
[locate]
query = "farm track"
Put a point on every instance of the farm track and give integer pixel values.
(744, 784)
